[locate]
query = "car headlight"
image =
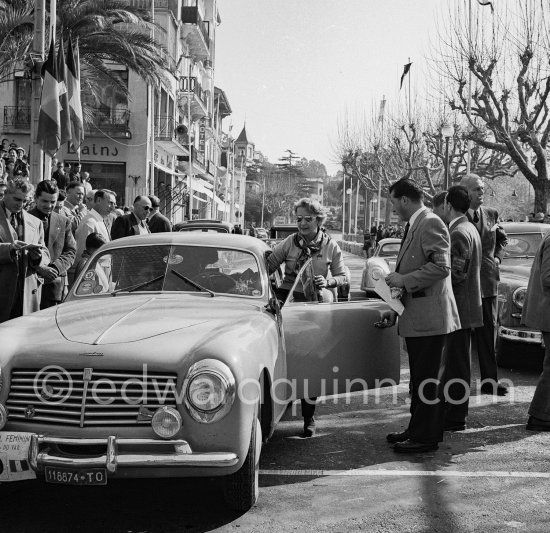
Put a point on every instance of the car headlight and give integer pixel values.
(166, 422)
(3, 416)
(209, 390)
(518, 296)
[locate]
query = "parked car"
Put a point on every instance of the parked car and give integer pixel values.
(172, 357)
(382, 262)
(206, 225)
(261, 233)
(279, 232)
(517, 345)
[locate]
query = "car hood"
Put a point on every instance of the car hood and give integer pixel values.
(134, 318)
(516, 267)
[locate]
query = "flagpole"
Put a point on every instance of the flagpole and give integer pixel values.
(38, 56)
(409, 93)
(468, 142)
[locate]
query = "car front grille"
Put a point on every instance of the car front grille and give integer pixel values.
(88, 397)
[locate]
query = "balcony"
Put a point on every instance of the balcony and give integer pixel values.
(112, 122)
(191, 88)
(17, 118)
(167, 137)
(196, 32)
(199, 163)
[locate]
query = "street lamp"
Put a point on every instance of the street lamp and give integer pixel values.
(447, 131)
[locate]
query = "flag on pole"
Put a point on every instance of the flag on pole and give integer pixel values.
(381, 111)
(64, 113)
(73, 86)
(406, 69)
(49, 130)
(486, 3)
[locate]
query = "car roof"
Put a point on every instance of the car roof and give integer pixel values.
(389, 240)
(221, 240)
(284, 226)
(525, 227)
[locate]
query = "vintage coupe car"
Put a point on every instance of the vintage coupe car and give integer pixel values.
(382, 261)
(206, 225)
(517, 345)
(172, 357)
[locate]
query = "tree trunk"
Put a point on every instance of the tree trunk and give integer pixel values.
(542, 191)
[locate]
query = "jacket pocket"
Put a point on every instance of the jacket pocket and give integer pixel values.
(426, 313)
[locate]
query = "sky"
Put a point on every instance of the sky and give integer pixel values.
(292, 69)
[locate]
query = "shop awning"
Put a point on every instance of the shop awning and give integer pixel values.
(168, 170)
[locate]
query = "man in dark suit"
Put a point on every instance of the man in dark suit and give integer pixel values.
(60, 177)
(133, 223)
(465, 267)
(422, 270)
(493, 242)
(535, 315)
(156, 221)
(22, 251)
(60, 242)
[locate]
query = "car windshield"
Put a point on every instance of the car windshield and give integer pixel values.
(522, 245)
(168, 268)
(390, 249)
(277, 233)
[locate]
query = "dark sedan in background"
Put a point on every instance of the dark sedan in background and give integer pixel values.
(517, 345)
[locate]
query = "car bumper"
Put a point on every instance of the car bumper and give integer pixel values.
(122, 453)
(521, 335)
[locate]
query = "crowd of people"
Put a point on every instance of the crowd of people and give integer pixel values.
(446, 276)
(48, 232)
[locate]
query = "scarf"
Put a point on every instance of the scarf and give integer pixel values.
(308, 249)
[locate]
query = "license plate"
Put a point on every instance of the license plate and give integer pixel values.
(65, 476)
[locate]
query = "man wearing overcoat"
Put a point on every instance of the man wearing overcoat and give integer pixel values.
(536, 314)
(493, 243)
(465, 279)
(422, 271)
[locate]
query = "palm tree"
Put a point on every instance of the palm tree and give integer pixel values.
(107, 31)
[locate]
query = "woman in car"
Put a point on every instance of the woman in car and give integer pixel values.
(310, 241)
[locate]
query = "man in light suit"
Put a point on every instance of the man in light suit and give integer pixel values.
(536, 314)
(22, 251)
(422, 270)
(493, 242)
(104, 203)
(59, 240)
(465, 278)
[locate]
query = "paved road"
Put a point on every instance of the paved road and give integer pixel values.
(493, 477)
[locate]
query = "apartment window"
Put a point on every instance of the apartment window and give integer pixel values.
(23, 92)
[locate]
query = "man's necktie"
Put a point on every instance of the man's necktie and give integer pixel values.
(476, 217)
(13, 221)
(407, 226)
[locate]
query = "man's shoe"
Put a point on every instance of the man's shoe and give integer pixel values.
(497, 389)
(411, 446)
(309, 427)
(537, 424)
(393, 438)
(454, 427)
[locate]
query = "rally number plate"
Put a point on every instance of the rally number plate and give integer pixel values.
(64, 476)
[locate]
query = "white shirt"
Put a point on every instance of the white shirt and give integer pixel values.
(92, 223)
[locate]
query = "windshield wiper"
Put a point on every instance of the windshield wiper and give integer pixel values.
(192, 283)
(520, 257)
(137, 286)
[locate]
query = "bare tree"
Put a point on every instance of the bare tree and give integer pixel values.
(505, 54)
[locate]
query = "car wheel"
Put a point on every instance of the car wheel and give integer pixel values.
(242, 488)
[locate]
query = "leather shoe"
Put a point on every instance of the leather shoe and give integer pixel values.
(309, 427)
(497, 389)
(393, 438)
(454, 427)
(537, 424)
(411, 446)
